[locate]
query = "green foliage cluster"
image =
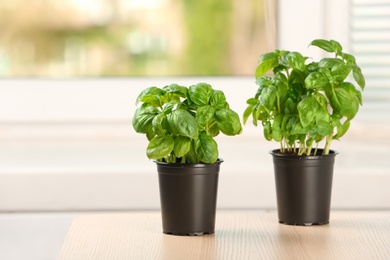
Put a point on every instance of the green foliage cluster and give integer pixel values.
(181, 123)
(304, 103)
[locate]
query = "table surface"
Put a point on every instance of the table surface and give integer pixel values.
(238, 235)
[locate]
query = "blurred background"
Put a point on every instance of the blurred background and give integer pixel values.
(70, 72)
(75, 38)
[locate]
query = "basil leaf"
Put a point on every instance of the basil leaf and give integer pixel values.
(248, 111)
(308, 109)
(323, 128)
(340, 72)
(336, 46)
(151, 95)
(276, 128)
(358, 76)
(206, 149)
(176, 89)
(218, 99)
(267, 131)
(294, 60)
(228, 121)
(158, 124)
(342, 103)
(204, 115)
(323, 44)
(342, 129)
(266, 62)
(268, 97)
(329, 62)
(159, 147)
(213, 130)
(143, 117)
(200, 93)
(191, 156)
(182, 146)
(181, 122)
(316, 80)
(298, 129)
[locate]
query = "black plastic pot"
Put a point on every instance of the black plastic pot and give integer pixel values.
(303, 187)
(188, 194)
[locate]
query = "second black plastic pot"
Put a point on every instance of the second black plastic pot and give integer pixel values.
(188, 195)
(303, 187)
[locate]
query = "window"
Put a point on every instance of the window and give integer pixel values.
(370, 41)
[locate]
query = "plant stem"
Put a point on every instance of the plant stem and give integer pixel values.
(315, 151)
(327, 145)
(308, 150)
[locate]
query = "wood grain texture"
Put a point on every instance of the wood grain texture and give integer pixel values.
(238, 235)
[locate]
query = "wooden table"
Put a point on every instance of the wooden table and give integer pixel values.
(238, 235)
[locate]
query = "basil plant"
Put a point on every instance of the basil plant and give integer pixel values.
(303, 102)
(181, 123)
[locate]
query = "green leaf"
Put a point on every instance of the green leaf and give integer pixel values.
(213, 130)
(323, 44)
(181, 122)
(248, 111)
(159, 147)
(321, 99)
(352, 91)
(308, 109)
(340, 72)
(206, 149)
(267, 131)
(268, 97)
(336, 46)
(228, 121)
(323, 128)
(342, 103)
(329, 62)
(191, 156)
(252, 101)
(143, 117)
(276, 128)
(170, 106)
(176, 89)
(316, 80)
(262, 82)
(204, 115)
(298, 129)
(218, 99)
(349, 59)
(267, 61)
(200, 93)
(182, 146)
(151, 95)
(289, 107)
(342, 129)
(158, 124)
(294, 60)
(280, 81)
(288, 123)
(358, 76)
